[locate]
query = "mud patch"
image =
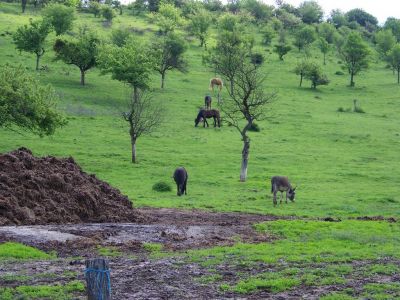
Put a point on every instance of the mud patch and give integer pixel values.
(49, 190)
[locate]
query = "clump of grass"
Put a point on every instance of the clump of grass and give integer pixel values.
(152, 247)
(109, 251)
(162, 186)
(339, 73)
(18, 251)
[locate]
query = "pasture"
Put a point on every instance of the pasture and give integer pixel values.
(345, 166)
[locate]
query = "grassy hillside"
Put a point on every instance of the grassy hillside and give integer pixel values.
(345, 164)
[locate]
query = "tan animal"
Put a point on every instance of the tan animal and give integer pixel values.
(282, 184)
(218, 82)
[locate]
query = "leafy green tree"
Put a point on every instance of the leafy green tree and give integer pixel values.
(301, 69)
(26, 104)
(314, 73)
(117, 5)
(394, 58)
(168, 17)
(385, 40)
(282, 50)
(394, 25)
(324, 46)
(130, 64)
(289, 21)
(268, 34)
(361, 17)
(80, 51)
(95, 8)
(229, 22)
(259, 10)
(355, 54)
(338, 18)
(327, 31)
(60, 17)
(108, 13)
(200, 24)
(32, 38)
(167, 52)
(213, 5)
(120, 36)
(304, 37)
(310, 12)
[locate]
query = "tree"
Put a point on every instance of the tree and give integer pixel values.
(246, 103)
(310, 12)
(80, 51)
(95, 8)
(130, 64)
(323, 45)
(301, 69)
(282, 48)
(337, 18)
(108, 13)
(394, 58)
(32, 38)
(327, 31)
(313, 72)
(167, 52)
(361, 17)
(304, 37)
(355, 54)
(200, 24)
(385, 41)
(394, 25)
(268, 34)
(27, 104)
(168, 17)
(143, 116)
(60, 17)
(259, 10)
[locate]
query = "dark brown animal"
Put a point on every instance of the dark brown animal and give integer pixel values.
(207, 102)
(181, 177)
(282, 184)
(204, 114)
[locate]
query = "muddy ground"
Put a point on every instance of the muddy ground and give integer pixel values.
(134, 274)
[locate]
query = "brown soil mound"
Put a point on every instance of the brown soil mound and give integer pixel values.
(49, 190)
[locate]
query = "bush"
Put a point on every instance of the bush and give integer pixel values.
(162, 187)
(339, 73)
(254, 127)
(257, 59)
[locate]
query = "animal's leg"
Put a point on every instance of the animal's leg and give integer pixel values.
(274, 199)
(215, 122)
(185, 186)
(281, 197)
(286, 197)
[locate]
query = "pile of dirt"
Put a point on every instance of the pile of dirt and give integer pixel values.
(49, 190)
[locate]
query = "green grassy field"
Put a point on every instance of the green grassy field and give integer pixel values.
(345, 164)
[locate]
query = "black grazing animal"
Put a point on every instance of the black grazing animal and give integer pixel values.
(204, 114)
(207, 102)
(281, 184)
(181, 177)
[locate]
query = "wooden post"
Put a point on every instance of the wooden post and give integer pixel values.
(98, 281)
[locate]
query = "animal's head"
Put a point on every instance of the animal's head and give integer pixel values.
(292, 194)
(180, 190)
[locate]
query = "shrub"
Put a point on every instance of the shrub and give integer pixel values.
(339, 73)
(257, 59)
(254, 127)
(162, 187)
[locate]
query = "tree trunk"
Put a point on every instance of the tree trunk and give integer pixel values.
(324, 59)
(245, 159)
(301, 79)
(82, 77)
(351, 79)
(37, 62)
(398, 76)
(231, 82)
(133, 143)
(135, 94)
(162, 80)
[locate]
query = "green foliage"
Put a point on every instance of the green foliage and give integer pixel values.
(338, 18)
(327, 31)
(154, 248)
(130, 63)
(108, 13)
(304, 37)
(60, 17)
(229, 22)
(310, 12)
(161, 186)
(80, 51)
(200, 24)
(108, 251)
(120, 36)
(167, 52)
(259, 10)
(26, 104)
(254, 127)
(54, 292)
(274, 285)
(385, 40)
(268, 34)
(394, 59)
(10, 250)
(32, 38)
(95, 8)
(314, 73)
(361, 17)
(394, 25)
(282, 50)
(355, 54)
(379, 291)
(324, 47)
(168, 17)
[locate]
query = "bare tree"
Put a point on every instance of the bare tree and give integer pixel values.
(247, 104)
(143, 116)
